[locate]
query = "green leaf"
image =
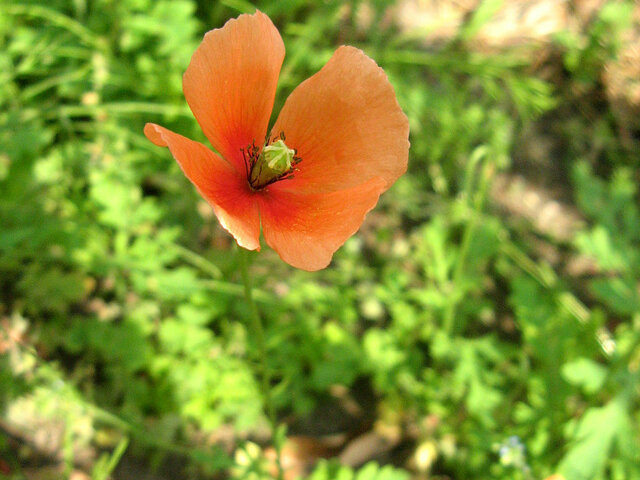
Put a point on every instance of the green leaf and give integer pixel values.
(585, 373)
(328, 470)
(52, 289)
(620, 294)
(481, 16)
(179, 337)
(341, 362)
(599, 244)
(593, 440)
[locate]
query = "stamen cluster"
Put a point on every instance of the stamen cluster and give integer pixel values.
(260, 173)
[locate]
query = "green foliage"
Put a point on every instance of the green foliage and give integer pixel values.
(614, 240)
(106, 464)
(371, 471)
(586, 54)
(121, 309)
(595, 436)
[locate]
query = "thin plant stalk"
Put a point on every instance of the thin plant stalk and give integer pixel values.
(257, 329)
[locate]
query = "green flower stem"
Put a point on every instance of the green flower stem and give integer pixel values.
(257, 329)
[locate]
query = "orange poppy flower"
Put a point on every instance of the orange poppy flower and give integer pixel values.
(340, 141)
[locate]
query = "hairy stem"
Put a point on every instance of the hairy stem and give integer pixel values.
(257, 329)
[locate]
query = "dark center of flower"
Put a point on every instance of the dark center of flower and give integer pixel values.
(274, 162)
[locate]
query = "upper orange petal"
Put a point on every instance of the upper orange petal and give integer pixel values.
(346, 125)
(306, 229)
(217, 181)
(230, 83)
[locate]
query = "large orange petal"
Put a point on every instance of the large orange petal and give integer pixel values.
(230, 83)
(346, 125)
(226, 191)
(306, 229)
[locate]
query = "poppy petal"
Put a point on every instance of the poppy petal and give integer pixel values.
(346, 126)
(306, 229)
(218, 183)
(230, 83)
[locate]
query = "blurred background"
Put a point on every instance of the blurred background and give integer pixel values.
(484, 322)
